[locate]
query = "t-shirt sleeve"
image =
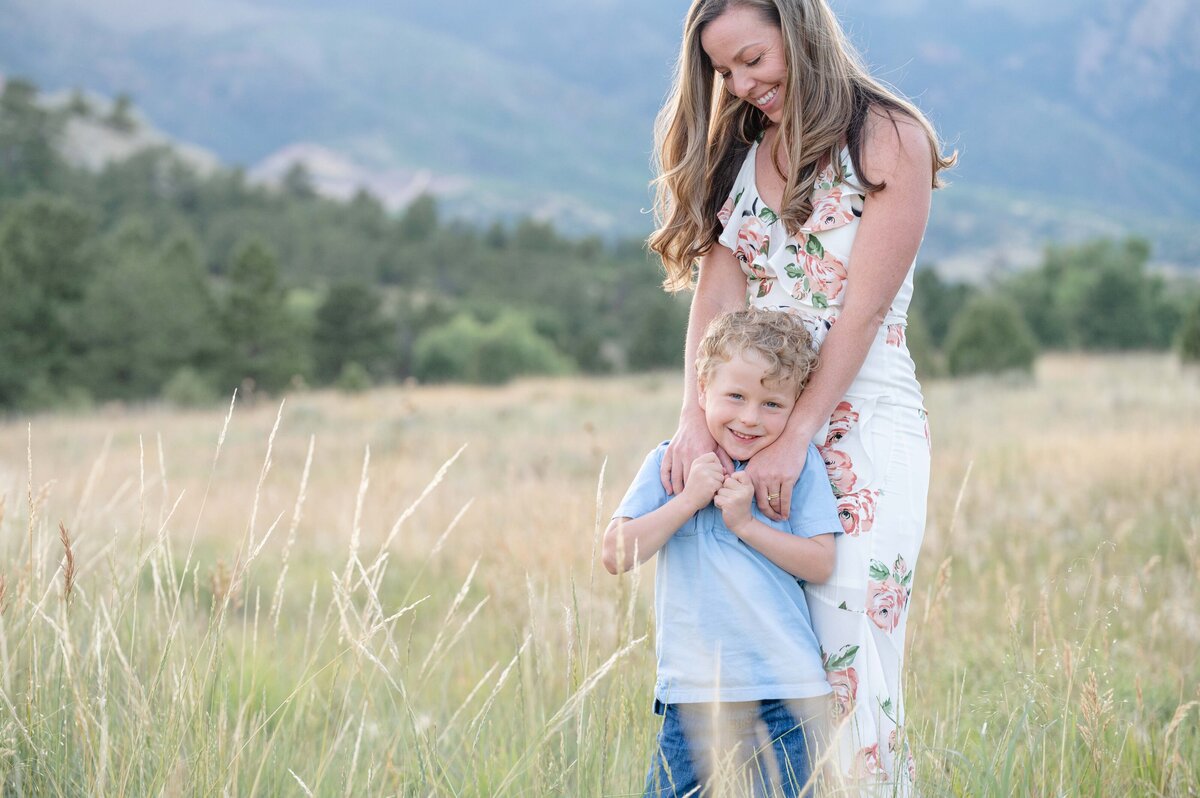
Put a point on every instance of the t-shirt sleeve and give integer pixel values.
(814, 508)
(646, 492)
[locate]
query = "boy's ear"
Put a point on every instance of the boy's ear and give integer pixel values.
(700, 393)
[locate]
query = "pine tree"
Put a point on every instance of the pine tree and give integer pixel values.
(29, 160)
(121, 116)
(420, 219)
(350, 329)
(134, 340)
(262, 344)
(45, 245)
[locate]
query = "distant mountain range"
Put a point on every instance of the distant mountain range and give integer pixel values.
(1074, 118)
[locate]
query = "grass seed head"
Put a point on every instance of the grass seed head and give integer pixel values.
(1096, 708)
(69, 565)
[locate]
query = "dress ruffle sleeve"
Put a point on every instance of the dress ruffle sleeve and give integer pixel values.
(836, 201)
(736, 207)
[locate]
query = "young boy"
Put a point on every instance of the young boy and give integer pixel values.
(740, 679)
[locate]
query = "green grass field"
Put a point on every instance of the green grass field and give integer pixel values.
(338, 598)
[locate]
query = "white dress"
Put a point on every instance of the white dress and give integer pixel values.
(876, 450)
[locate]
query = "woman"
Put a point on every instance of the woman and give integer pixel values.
(802, 184)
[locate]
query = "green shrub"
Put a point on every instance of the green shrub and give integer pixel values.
(42, 394)
(1189, 335)
(657, 326)
(925, 356)
(989, 335)
(188, 388)
(465, 350)
(446, 352)
(354, 378)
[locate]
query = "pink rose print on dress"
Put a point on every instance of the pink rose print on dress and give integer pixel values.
(845, 691)
(866, 765)
(885, 603)
(827, 179)
(887, 593)
(819, 276)
(895, 335)
(843, 679)
(841, 471)
(826, 275)
(828, 213)
(800, 289)
(857, 512)
(751, 240)
(757, 273)
(725, 212)
(840, 422)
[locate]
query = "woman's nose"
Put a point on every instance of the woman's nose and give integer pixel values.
(740, 84)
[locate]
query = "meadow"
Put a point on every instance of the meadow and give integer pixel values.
(398, 592)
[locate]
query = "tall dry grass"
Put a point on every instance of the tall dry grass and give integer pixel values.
(334, 597)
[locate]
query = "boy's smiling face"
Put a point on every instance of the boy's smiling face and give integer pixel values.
(744, 416)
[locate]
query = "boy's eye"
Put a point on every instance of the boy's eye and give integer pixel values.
(773, 405)
(735, 396)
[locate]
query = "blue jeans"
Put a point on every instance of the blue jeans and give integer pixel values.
(762, 748)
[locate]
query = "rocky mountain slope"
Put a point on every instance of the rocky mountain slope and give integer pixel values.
(1073, 119)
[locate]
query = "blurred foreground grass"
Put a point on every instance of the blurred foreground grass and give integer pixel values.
(245, 620)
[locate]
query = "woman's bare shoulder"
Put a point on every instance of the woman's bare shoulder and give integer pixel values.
(894, 145)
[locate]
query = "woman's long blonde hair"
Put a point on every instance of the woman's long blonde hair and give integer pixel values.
(703, 132)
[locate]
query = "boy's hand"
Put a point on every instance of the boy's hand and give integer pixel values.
(704, 480)
(734, 500)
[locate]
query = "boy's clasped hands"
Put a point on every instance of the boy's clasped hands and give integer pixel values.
(707, 483)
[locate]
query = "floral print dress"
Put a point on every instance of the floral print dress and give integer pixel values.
(876, 451)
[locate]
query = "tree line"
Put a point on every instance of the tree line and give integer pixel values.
(148, 278)
(1098, 296)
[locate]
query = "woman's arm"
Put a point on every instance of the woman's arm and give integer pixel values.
(888, 237)
(721, 288)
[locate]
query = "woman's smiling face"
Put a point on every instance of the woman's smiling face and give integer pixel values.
(747, 51)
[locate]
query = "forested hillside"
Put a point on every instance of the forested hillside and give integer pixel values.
(144, 275)
(150, 277)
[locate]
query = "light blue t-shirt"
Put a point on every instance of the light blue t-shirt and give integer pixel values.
(732, 625)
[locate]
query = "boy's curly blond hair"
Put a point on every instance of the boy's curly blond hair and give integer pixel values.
(778, 337)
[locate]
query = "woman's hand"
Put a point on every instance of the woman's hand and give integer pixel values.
(775, 470)
(691, 440)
